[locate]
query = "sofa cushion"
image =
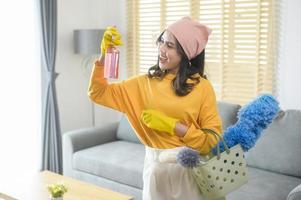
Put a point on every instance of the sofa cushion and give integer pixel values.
(279, 147)
(120, 161)
(228, 113)
(265, 185)
(126, 132)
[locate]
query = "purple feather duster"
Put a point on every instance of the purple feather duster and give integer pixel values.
(188, 157)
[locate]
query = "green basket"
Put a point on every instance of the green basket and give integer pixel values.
(222, 173)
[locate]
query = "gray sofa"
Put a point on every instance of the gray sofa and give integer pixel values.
(111, 156)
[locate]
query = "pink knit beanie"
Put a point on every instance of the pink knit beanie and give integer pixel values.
(192, 35)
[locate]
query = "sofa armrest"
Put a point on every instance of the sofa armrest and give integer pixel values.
(79, 139)
(295, 194)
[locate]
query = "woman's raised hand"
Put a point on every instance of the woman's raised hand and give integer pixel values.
(111, 37)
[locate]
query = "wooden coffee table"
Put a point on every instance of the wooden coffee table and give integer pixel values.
(36, 189)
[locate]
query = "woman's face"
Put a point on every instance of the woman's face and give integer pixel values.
(169, 58)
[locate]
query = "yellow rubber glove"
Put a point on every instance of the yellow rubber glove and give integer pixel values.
(158, 121)
(110, 37)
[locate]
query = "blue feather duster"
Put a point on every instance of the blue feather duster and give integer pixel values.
(252, 119)
(260, 111)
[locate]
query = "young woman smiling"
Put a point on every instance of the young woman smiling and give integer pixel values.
(168, 107)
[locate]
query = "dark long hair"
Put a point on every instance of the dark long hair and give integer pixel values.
(186, 71)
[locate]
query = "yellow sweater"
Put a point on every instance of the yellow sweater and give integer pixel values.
(196, 110)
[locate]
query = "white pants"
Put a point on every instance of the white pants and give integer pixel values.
(167, 181)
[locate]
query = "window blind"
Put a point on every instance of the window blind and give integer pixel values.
(240, 51)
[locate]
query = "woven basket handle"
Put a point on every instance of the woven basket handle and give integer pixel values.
(219, 138)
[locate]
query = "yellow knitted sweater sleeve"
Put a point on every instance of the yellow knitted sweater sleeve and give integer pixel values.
(208, 119)
(120, 96)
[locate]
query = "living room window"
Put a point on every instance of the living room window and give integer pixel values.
(240, 55)
(20, 76)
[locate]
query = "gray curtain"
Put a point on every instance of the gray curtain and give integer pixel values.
(51, 133)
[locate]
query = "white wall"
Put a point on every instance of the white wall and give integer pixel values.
(290, 63)
(74, 105)
(72, 82)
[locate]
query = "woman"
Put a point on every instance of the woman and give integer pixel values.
(167, 108)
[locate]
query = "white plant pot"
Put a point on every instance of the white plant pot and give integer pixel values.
(56, 198)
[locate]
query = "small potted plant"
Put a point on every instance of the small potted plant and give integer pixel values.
(57, 191)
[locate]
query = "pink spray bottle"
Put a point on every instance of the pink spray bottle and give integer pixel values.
(112, 56)
(111, 67)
